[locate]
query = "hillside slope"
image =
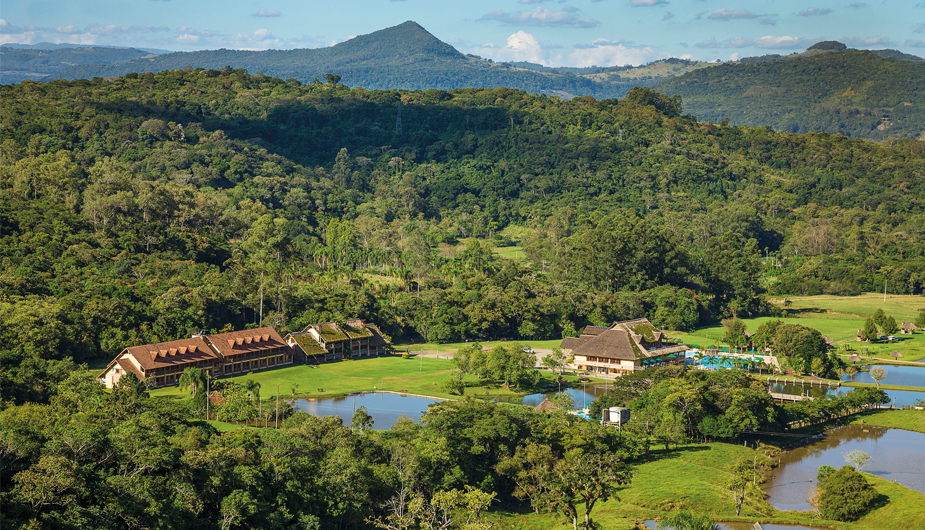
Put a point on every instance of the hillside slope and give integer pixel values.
(855, 93)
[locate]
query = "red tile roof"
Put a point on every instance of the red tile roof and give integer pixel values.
(247, 341)
(171, 353)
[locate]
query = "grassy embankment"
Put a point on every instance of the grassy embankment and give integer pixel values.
(839, 318)
(910, 420)
(694, 477)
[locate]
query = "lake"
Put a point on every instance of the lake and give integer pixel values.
(902, 397)
(583, 395)
(895, 375)
(896, 455)
(385, 408)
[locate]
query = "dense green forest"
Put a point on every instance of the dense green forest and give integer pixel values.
(857, 93)
(148, 207)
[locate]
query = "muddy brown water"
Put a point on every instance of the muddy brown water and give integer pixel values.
(896, 455)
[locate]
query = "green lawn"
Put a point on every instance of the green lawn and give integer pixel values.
(694, 478)
(450, 348)
(839, 318)
(416, 376)
(910, 420)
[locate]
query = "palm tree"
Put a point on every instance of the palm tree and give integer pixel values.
(699, 357)
(195, 379)
(252, 387)
(192, 378)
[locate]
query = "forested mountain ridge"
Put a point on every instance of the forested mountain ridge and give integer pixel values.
(404, 56)
(852, 92)
(144, 208)
(37, 63)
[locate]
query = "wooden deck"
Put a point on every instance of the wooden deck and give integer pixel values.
(788, 398)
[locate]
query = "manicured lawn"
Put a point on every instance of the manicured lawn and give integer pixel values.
(839, 318)
(900, 307)
(450, 348)
(416, 376)
(221, 426)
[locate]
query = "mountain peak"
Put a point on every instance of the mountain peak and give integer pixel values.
(408, 39)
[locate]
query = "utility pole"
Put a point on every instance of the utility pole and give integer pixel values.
(398, 127)
(884, 290)
(208, 378)
(277, 406)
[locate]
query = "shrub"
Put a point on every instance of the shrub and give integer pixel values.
(845, 495)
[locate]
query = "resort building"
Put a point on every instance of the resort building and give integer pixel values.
(222, 354)
(331, 341)
(161, 364)
(623, 348)
(251, 349)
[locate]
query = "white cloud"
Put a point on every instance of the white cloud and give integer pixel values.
(540, 16)
(784, 42)
(668, 15)
(814, 12)
(915, 44)
(648, 3)
(601, 52)
(865, 42)
(266, 13)
(920, 28)
(857, 5)
(724, 14)
(520, 46)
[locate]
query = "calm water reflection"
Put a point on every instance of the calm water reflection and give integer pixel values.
(583, 395)
(902, 397)
(895, 375)
(384, 408)
(896, 455)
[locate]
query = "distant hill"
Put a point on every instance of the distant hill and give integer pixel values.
(404, 56)
(20, 62)
(857, 93)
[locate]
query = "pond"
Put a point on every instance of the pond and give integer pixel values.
(895, 375)
(896, 455)
(901, 397)
(385, 408)
(582, 395)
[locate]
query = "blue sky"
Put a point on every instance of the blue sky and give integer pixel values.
(551, 32)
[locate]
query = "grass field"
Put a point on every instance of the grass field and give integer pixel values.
(910, 420)
(694, 478)
(450, 348)
(416, 376)
(839, 318)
